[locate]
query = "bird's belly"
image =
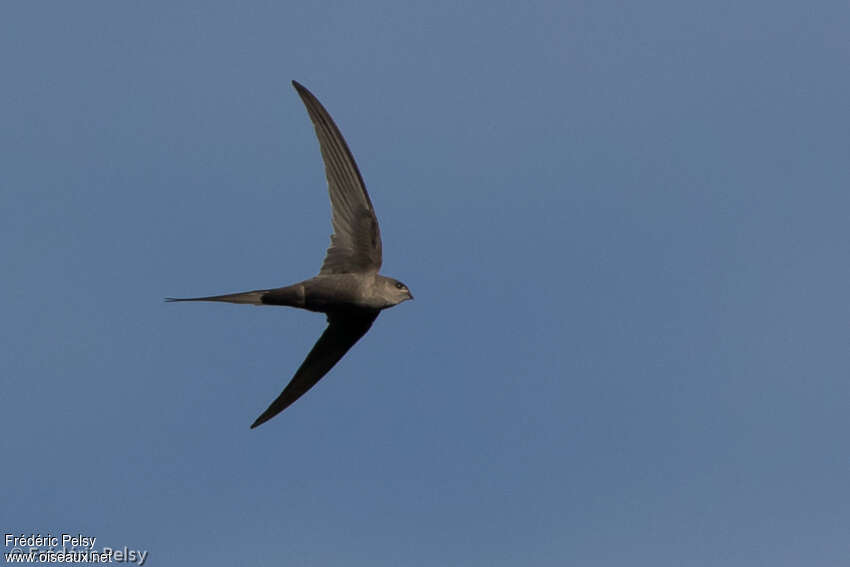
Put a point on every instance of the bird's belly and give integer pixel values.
(333, 296)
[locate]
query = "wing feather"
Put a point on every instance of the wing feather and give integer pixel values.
(356, 240)
(341, 334)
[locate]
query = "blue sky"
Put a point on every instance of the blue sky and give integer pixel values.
(625, 225)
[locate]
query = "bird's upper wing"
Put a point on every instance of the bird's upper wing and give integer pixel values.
(342, 332)
(356, 241)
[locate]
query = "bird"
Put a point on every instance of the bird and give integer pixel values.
(348, 288)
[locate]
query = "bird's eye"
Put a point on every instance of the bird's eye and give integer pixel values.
(399, 285)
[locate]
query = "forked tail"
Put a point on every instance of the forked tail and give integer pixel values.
(248, 297)
(289, 296)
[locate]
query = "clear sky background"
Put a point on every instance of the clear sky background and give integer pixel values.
(626, 225)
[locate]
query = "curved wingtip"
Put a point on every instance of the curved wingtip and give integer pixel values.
(261, 420)
(283, 401)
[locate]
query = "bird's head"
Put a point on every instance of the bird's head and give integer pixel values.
(395, 292)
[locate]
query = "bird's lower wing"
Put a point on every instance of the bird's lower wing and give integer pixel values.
(342, 332)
